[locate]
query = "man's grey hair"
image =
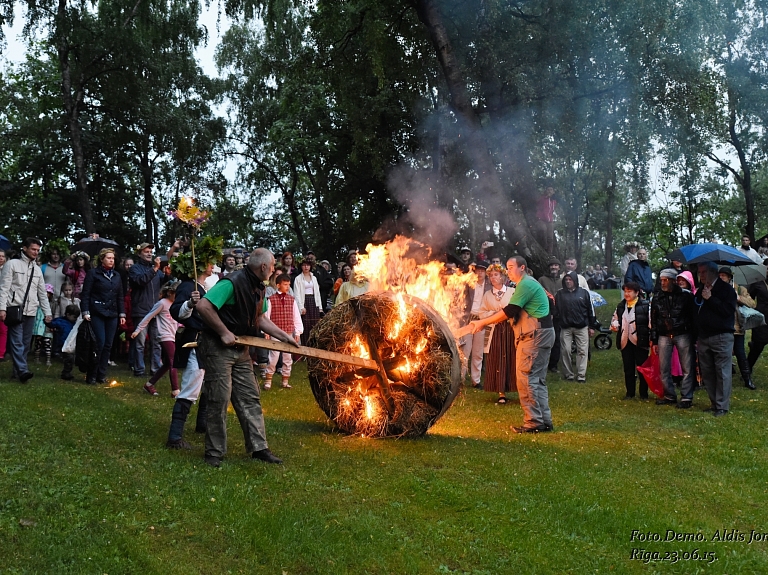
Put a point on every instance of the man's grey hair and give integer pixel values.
(711, 267)
(259, 257)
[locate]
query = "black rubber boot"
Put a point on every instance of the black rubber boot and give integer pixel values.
(202, 409)
(746, 375)
(178, 419)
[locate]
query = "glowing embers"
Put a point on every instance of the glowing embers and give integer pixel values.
(418, 373)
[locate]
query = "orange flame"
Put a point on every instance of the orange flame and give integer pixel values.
(359, 349)
(402, 317)
(370, 407)
(388, 267)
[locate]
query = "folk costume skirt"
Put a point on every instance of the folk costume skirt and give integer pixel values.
(500, 375)
(310, 318)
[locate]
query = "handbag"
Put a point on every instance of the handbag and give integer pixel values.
(750, 318)
(651, 372)
(85, 348)
(14, 314)
(70, 344)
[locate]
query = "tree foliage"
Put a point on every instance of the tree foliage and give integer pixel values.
(353, 119)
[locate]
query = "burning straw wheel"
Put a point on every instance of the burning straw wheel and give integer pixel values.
(419, 370)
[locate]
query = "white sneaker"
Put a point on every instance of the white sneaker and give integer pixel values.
(268, 384)
(111, 363)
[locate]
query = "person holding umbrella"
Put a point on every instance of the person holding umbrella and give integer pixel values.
(715, 325)
(742, 298)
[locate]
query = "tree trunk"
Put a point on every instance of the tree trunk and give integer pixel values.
(289, 197)
(149, 207)
(476, 145)
(746, 173)
(320, 186)
(72, 111)
(610, 200)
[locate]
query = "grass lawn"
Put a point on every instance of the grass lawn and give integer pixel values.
(86, 485)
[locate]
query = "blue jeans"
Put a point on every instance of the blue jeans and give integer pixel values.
(156, 358)
(684, 347)
(19, 343)
(104, 329)
(715, 364)
(138, 344)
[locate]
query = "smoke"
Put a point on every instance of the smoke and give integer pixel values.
(421, 217)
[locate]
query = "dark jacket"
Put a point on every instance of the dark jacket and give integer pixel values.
(716, 314)
(63, 328)
(639, 271)
(145, 287)
(672, 313)
(642, 310)
(759, 292)
(242, 317)
(552, 285)
(102, 293)
(574, 308)
(325, 281)
(192, 325)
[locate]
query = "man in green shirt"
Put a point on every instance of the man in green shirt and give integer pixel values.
(534, 336)
(234, 307)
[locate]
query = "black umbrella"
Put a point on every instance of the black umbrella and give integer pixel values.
(92, 246)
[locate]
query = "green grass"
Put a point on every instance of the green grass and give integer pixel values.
(86, 485)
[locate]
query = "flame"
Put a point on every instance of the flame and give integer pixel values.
(370, 407)
(359, 349)
(390, 267)
(421, 346)
(402, 317)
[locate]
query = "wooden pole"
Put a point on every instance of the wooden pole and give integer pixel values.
(302, 350)
(194, 263)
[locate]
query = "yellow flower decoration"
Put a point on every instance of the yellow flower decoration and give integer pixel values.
(189, 213)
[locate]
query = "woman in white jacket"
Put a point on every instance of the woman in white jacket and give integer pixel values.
(306, 290)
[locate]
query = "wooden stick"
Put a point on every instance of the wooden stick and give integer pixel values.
(194, 263)
(302, 350)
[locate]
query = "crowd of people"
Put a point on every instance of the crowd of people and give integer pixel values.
(692, 320)
(86, 309)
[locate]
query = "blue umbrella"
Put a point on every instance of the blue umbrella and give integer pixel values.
(597, 299)
(709, 252)
(5, 244)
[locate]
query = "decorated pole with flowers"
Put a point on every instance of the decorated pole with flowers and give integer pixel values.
(194, 218)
